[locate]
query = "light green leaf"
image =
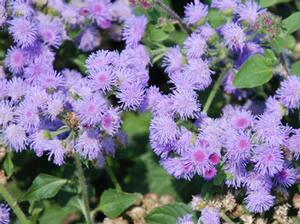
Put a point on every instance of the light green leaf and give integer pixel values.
(216, 18)
(254, 72)
(167, 214)
(287, 41)
(44, 186)
(296, 68)
(292, 23)
(8, 164)
(267, 3)
(155, 34)
(113, 202)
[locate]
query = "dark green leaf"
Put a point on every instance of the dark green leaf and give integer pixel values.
(44, 186)
(156, 35)
(8, 164)
(292, 23)
(113, 203)
(267, 3)
(167, 214)
(254, 72)
(296, 68)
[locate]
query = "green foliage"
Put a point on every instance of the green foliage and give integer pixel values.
(288, 42)
(267, 3)
(113, 202)
(216, 18)
(44, 186)
(292, 23)
(167, 214)
(8, 165)
(156, 34)
(254, 72)
(296, 68)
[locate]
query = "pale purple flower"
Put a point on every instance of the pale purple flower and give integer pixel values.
(183, 80)
(21, 8)
(15, 60)
(120, 10)
(56, 151)
(55, 105)
(206, 31)
(268, 160)
(177, 168)
(109, 145)
(71, 77)
(89, 39)
(100, 59)
(3, 15)
(195, 46)
(255, 181)
(289, 92)
(173, 60)
(34, 70)
(163, 129)
(88, 144)
(28, 116)
(111, 121)
(37, 96)
(184, 142)
(186, 219)
(130, 95)
(210, 215)
(185, 103)
(4, 214)
(234, 36)
(51, 31)
(15, 137)
(194, 12)
(23, 31)
(16, 88)
(249, 12)
(99, 11)
(225, 5)
(259, 201)
(286, 177)
(39, 142)
(51, 79)
(134, 29)
(293, 143)
(273, 106)
(6, 113)
(238, 118)
(103, 79)
(210, 173)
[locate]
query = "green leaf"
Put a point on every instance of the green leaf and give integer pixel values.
(267, 3)
(8, 164)
(287, 41)
(296, 68)
(216, 18)
(113, 202)
(254, 72)
(292, 23)
(167, 214)
(44, 186)
(270, 57)
(156, 35)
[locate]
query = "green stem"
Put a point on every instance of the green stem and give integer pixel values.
(14, 205)
(112, 175)
(84, 192)
(226, 218)
(214, 91)
(173, 15)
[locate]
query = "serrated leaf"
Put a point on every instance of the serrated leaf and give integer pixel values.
(267, 3)
(156, 35)
(254, 72)
(113, 202)
(8, 165)
(296, 68)
(292, 23)
(44, 186)
(167, 214)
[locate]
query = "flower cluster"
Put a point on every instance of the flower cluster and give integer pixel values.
(250, 145)
(60, 112)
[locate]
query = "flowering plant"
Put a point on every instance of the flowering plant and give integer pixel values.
(215, 92)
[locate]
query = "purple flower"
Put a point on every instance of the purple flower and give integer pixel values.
(3, 15)
(286, 177)
(51, 79)
(210, 173)
(206, 31)
(195, 12)
(99, 11)
(130, 95)
(293, 143)
(55, 105)
(27, 116)
(108, 145)
(225, 5)
(234, 36)
(15, 137)
(111, 121)
(185, 103)
(289, 92)
(195, 46)
(39, 142)
(255, 181)
(21, 8)
(134, 29)
(103, 79)
(259, 201)
(173, 60)
(238, 118)
(6, 113)
(88, 145)
(249, 12)
(163, 129)
(183, 81)
(89, 39)
(34, 70)
(186, 219)
(184, 142)
(249, 49)
(51, 32)
(23, 31)
(4, 214)
(268, 160)
(177, 168)
(15, 60)
(210, 216)
(273, 106)
(100, 59)
(55, 150)
(15, 89)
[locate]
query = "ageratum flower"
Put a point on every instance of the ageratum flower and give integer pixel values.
(289, 92)
(195, 12)
(234, 36)
(225, 5)
(173, 60)
(134, 29)
(210, 216)
(249, 12)
(195, 46)
(15, 60)
(4, 214)
(259, 201)
(187, 219)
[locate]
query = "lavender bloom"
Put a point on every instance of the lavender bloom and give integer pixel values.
(89, 39)
(3, 15)
(120, 10)
(210, 173)
(173, 60)
(27, 116)
(103, 79)
(108, 145)
(273, 106)
(234, 36)
(15, 60)
(55, 105)
(249, 12)
(289, 92)
(21, 8)
(195, 12)
(186, 219)
(163, 129)
(100, 59)
(184, 142)
(88, 145)
(4, 214)
(206, 31)
(51, 32)
(55, 150)
(130, 95)
(259, 201)
(23, 31)
(255, 181)
(293, 143)
(99, 11)
(248, 50)
(185, 103)
(210, 216)
(268, 160)
(177, 168)
(225, 5)
(195, 46)
(238, 118)
(15, 137)
(6, 113)
(286, 177)
(39, 142)
(134, 29)
(111, 121)
(15, 89)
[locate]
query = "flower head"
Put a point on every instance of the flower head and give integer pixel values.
(195, 46)
(210, 216)
(195, 12)
(134, 29)
(4, 214)
(186, 219)
(259, 201)
(249, 12)
(289, 92)
(234, 36)
(173, 60)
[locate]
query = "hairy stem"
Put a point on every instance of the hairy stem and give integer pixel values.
(111, 174)
(214, 91)
(14, 205)
(84, 192)
(173, 15)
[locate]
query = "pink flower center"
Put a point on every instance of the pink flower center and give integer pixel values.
(210, 173)
(199, 156)
(102, 78)
(214, 158)
(243, 144)
(91, 108)
(97, 9)
(17, 58)
(29, 114)
(107, 121)
(48, 36)
(269, 157)
(242, 123)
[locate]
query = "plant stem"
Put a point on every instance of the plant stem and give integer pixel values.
(14, 205)
(226, 218)
(83, 187)
(284, 63)
(173, 15)
(213, 92)
(112, 175)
